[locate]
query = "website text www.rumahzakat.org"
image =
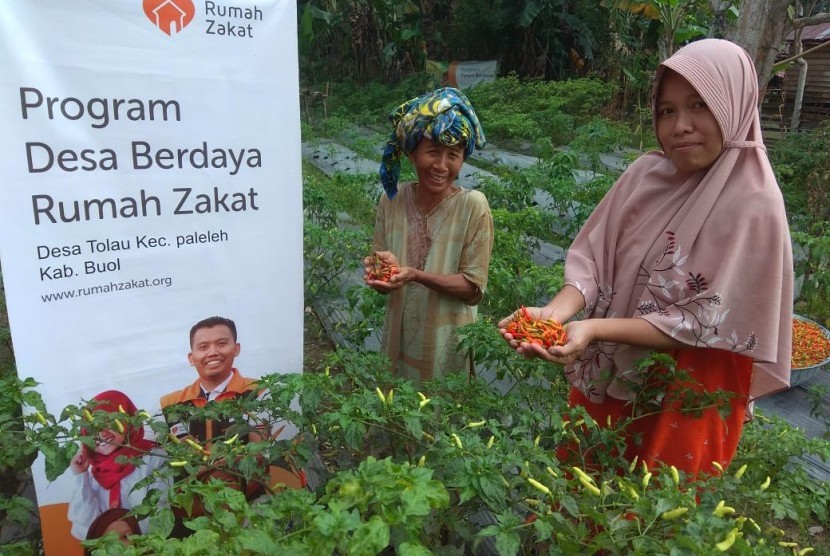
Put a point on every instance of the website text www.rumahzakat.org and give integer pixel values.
(109, 287)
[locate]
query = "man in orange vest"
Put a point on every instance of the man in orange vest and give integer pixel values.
(213, 348)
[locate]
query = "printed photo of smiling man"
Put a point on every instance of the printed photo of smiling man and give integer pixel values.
(213, 348)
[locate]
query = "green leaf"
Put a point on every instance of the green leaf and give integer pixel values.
(570, 505)
(507, 543)
(258, 540)
(413, 425)
(369, 539)
(57, 458)
(410, 549)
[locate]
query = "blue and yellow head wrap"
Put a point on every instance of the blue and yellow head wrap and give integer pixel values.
(445, 116)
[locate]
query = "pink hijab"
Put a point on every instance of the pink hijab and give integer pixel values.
(704, 256)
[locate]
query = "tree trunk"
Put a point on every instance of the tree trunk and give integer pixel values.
(761, 29)
(430, 46)
(719, 28)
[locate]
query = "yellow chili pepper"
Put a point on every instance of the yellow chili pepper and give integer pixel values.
(174, 438)
(457, 441)
(766, 483)
(606, 488)
(804, 551)
(145, 415)
(40, 418)
(193, 444)
(727, 543)
(178, 463)
(536, 441)
(232, 439)
(722, 509)
(380, 395)
(717, 466)
(390, 396)
(121, 409)
(327, 371)
(476, 424)
(87, 415)
(422, 460)
(421, 395)
(674, 475)
(632, 493)
(646, 479)
(491, 441)
(551, 472)
(119, 426)
(589, 486)
(423, 402)
(581, 474)
(428, 436)
(539, 486)
(787, 544)
(674, 514)
(633, 464)
(740, 472)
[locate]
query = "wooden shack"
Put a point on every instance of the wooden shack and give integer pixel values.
(777, 108)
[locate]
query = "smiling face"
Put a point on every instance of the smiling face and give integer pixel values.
(436, 165)
(108, 441)
(686, 128)
(212, 353)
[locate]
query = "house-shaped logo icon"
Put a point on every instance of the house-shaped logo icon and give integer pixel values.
(171, 16)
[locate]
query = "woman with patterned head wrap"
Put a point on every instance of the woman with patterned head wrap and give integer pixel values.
(104, 482)
(689, 253)
(437, 234)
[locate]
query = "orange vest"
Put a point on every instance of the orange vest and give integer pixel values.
(193, 393)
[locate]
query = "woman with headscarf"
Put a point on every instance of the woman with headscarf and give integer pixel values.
(689, 253)
(102, 482)
(437, 234)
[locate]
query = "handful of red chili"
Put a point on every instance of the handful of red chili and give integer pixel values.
(810, 345)
(382, 271)
(544, 332)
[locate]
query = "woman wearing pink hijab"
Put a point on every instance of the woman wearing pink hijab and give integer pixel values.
(689, 254)
(104, 483)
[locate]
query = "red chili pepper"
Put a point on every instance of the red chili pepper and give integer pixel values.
(810, 345)
(382, 271)
(526, 328)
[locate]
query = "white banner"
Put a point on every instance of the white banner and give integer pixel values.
(467, 74)
(151, 177)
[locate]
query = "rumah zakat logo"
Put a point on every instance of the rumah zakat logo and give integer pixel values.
(171, 16)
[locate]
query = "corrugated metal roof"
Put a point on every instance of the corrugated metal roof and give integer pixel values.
(818, 33)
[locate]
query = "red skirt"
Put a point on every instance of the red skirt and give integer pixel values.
(689, 442)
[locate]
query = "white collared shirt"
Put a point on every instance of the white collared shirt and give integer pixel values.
(220, 388)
